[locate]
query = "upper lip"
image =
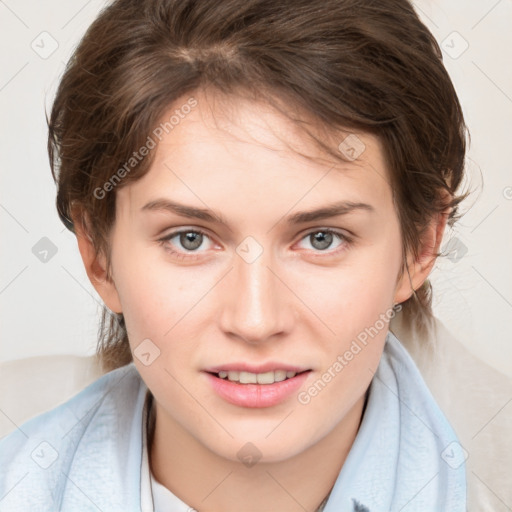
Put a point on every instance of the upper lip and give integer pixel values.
(261, 368)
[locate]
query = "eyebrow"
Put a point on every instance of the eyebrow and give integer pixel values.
(192, 212)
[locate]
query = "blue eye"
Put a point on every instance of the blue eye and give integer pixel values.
(322, 239)
(189, 239)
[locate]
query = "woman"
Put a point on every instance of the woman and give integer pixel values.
(256, 189)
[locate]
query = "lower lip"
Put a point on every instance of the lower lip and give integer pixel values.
(256, 395)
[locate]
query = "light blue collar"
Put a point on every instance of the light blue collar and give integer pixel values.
(406, 456)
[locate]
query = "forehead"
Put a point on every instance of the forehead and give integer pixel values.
(224, 143)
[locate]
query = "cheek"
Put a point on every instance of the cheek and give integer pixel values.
(154, 294)
(352, 296)
(162, 303)
(359, 316)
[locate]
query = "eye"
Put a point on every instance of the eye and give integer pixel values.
(187, 240)
(322, 239)
(191, 240)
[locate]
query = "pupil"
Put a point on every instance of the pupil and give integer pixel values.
(321, 240)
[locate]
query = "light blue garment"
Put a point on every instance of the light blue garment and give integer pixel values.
(86, 454)
(406, 457)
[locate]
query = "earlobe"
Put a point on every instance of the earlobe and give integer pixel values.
(95, 264)
(417, 270)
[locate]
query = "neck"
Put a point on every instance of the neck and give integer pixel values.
(206, 481)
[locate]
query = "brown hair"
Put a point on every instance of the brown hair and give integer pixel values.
(349, 65)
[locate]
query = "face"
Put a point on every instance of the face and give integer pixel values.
(220, 265)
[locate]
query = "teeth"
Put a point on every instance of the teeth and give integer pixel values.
(257, 378)
(248, 378)
(265, 378)
(279, 375)
(234, 376)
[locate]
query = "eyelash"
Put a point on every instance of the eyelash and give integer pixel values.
(345, 239)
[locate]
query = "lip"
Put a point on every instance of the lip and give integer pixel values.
(271, 366)
(257, 395)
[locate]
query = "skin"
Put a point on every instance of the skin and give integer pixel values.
(296, 303)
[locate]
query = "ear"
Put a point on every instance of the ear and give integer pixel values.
(420, 268)
(95, 265)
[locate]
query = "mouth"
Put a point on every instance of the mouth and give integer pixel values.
(265, 378)
(257, 389)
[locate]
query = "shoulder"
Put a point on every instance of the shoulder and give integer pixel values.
(477, 401)
(78, 411)
(33, 385)
(401, 372)
(44, 447)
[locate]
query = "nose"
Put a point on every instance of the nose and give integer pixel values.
(257, 305)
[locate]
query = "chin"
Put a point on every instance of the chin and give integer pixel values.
(251, 446)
